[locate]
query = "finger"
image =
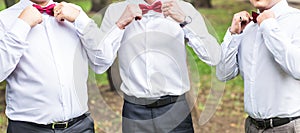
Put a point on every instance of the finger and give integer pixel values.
(166, 14)
(139, 17)
(41, 20)
(60, 18)
(57, 9)
(137, 13)
(164, 5)
(244, 19)
(58, 6)
(56, 12)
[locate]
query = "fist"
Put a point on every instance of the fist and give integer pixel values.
(239, 22)
(265, 15)
(31, 16)
(172, 9)
(131, 12)
(66, 11)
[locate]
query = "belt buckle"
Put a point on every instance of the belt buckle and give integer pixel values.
(261, 124)
(63, 125)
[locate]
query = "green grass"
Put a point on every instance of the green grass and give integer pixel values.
(86, 5)
(2, 5)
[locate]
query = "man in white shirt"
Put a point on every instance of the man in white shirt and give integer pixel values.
(266, 52)
(45, 48)
(152, 60)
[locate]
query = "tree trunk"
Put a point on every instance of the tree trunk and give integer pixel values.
(9, 3)
(97, 5)
(202, 3)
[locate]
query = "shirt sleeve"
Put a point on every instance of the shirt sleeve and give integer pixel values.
(228, 66)
(100, 50)
(199, 47)
(12, 46)
(203, 43)
(286, 50)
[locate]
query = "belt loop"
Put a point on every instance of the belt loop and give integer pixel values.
(271, 123)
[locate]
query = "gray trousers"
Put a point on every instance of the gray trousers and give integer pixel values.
(292, 127)
(172, 118)
(85, 125)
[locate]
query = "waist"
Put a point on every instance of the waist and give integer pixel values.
(154, 102)
(43, 114)
(138, 92)
(59, 124)
(271, 122)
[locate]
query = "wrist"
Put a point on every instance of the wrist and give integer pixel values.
(232, 32)
(120, 25)
(187, 20)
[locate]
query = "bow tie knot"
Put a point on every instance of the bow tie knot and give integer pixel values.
(155, 7)
(47, 9)
(254, 16)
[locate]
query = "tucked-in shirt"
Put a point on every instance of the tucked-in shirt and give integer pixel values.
(46, 67)
(152, 51)
(268, 59)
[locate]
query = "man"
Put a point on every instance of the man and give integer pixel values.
(152, 61)
(266, 52)
(45, 48)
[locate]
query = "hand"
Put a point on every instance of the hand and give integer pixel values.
(239, 22)
(131, 12)
(31, 15)
(172, 9)
(265, 15)
(66, 11)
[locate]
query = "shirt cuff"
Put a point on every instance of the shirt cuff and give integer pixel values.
(81, 21)
(115, 30)
(20, 29)
(231, 40)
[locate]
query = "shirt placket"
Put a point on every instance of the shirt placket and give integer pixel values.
(253, 73)
(147, 57)
(59, 70)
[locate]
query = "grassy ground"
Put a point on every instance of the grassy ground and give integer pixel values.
(229, 115)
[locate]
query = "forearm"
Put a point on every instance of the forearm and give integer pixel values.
(286, 50)
(12, 47)
(106, 51)
(205, 46)
(228, 66)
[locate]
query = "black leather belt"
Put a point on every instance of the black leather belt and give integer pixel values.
(60, 125)
(272, 122)
(154, 103)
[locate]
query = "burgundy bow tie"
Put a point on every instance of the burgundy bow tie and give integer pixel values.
(155, 7)
(47, 9)
(254, 16)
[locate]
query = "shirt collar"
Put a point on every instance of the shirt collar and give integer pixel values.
(280, 8)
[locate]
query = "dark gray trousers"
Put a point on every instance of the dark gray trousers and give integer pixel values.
(85, 125)
(172, 118)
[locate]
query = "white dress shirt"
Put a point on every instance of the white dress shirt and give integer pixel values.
(152, 52)
(46, 67)
(268, 58)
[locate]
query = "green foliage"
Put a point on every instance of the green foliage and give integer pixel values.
(2, 5)
(86, 5)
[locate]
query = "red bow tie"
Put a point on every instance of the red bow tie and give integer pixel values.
(155, 7)
(254, 16)
(48, 9)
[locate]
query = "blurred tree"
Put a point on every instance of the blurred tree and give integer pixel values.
(9, 3)
(201, 3)
(99, 4)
